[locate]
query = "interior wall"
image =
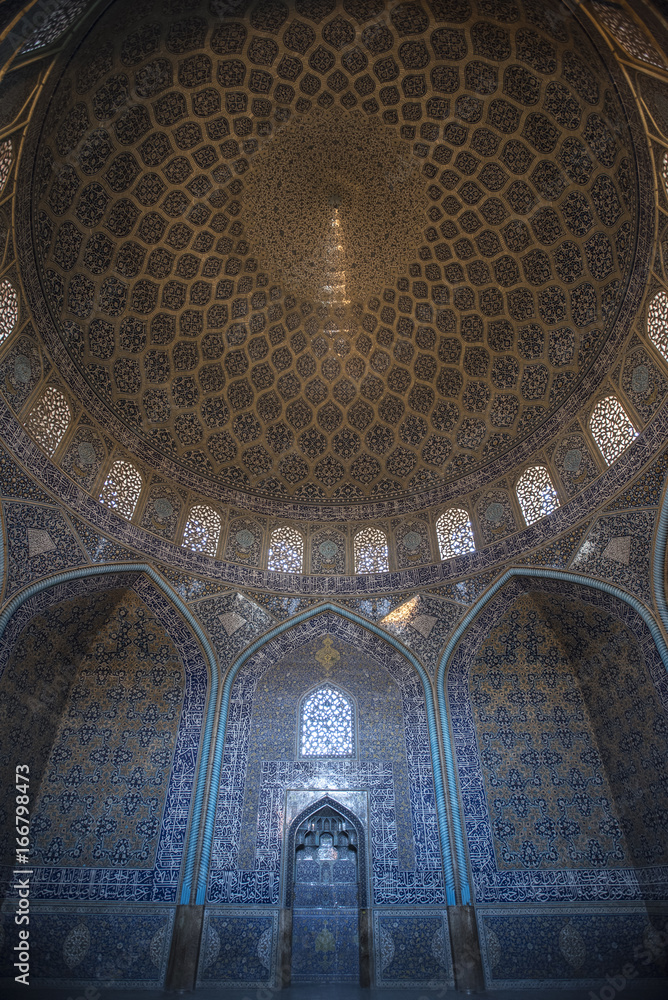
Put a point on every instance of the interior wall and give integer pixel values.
(388, 785)
(120, 690)
(562, 703)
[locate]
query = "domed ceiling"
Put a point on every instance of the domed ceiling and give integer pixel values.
(330, 251)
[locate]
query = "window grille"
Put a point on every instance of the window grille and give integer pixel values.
(56, 23)
(202, 530)
(454, 532)
(611, 428)
(122, 488)
(327, 724)
(629, 35)
(536, 494)
(9, 308)
(286, 550)
(49, 419)
(371, 551)
(657, 315)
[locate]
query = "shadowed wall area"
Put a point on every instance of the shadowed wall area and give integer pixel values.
(567, 700)
(104, 707)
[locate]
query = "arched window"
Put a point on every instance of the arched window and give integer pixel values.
(49, 419)
(122, 488)
(9, 308)
(202, 530)
(536, 494)
(327, 724)
(5, 162)
(371, 551)
(286, 550)
(664, 171)
(454, 532)
(629, 35)
(657, 316)
(55, 24)
(611, 428)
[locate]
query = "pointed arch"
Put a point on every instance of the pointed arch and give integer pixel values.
(194, 887)
(327, 800)
(659, 558)
(197, 656)
(477, 629)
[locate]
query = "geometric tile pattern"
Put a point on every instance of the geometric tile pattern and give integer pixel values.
(39, 542)
(82, 946)
(248, 776)
(412, 948)
(238, 949)
(119, 879)
(548, 778)
(543, 946)
(620, 547)
(325, 946)
(514, 218)
(423, 623)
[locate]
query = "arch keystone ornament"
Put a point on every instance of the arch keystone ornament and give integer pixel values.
(327, 655)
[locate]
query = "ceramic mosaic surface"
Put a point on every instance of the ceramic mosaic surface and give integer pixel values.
(404, 851)
(544, 776)
(147, 747)
(238, 948)
(80, 946)
(40, 542)
(550, 946)
(412, 949)
(395, 362)
(469, 192)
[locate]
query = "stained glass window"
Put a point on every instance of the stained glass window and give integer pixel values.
(454, 532)
(55, 24)
(371, 551)
(49, 419)
(536, 494)
(327, 724)
(5, 162)
(628, 34)
(611, 428)
(9, 308)
(286, 550)
(202, 530)
(657, 319)
(122, 488)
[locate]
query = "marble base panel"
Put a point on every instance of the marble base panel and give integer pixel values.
(412, 948)
(573, 947)
(103, 946)
(239, 948)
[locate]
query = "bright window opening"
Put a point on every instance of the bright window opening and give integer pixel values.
(327, 724)
(122, 488)
(286, 550)
(536, 494)
(611, 428)
(371, 551)
(49, 419)
(454, 532)
(202, 530)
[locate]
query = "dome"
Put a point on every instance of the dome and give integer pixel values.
(302, 256)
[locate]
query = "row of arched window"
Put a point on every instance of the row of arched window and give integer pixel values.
(610, 426)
